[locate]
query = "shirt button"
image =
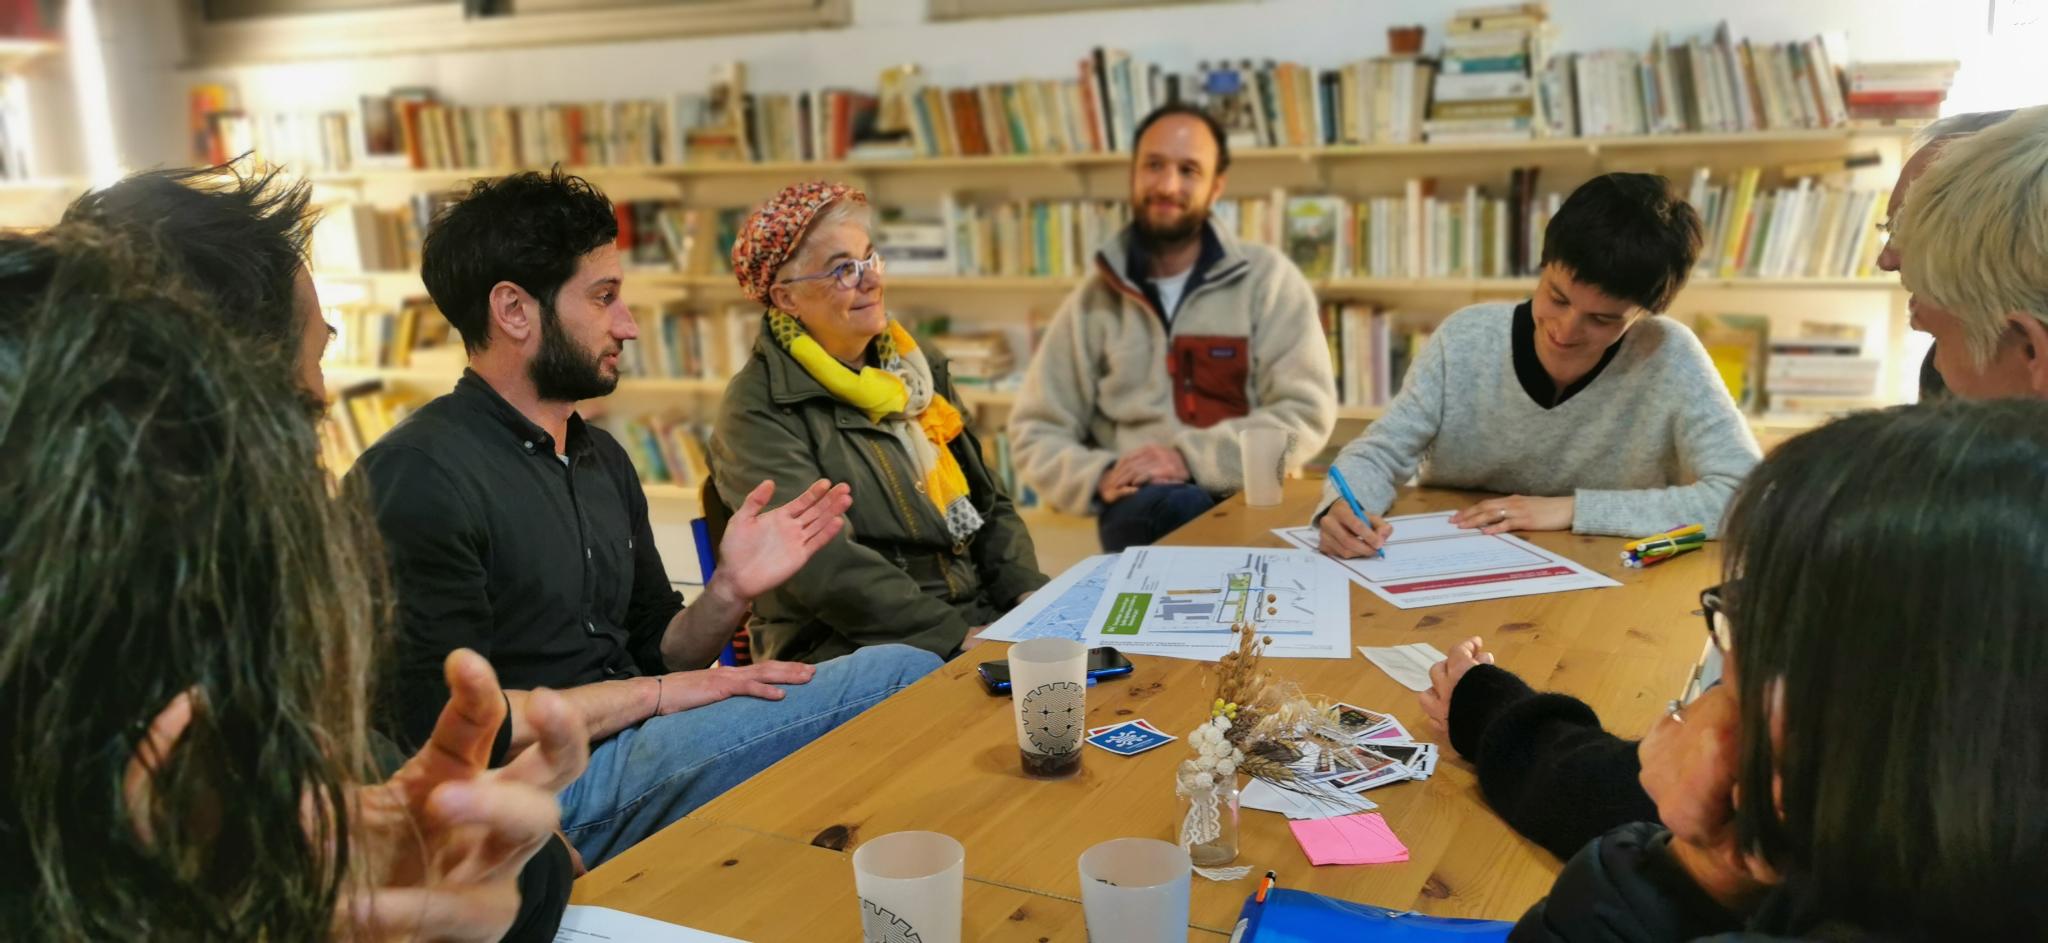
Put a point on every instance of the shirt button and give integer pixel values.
(529, 445)
(586, 553)
(590, 627)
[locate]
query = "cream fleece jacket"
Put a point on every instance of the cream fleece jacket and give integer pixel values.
(1654, 442)
(1099, 384)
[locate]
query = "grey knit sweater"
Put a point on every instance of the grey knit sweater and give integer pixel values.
(1651, 443)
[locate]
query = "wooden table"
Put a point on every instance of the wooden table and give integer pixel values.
(750, 886)
(942, 755)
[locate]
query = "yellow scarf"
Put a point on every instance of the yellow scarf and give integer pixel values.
(900, 391)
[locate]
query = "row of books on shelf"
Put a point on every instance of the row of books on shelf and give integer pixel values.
(1819, 372)
(357, 415)
(673, 447)
(1800, 230)
(1707, 84)
(668, 447)
(1417, 235)
(1371, 348)
(1494, 77)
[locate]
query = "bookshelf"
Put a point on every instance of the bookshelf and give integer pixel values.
(1002, 163)
(409, 283)
(992, 302)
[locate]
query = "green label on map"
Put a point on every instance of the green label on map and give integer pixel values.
(1126, 614)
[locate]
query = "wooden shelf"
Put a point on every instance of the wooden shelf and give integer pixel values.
(15, 53)
(1525, 283)
(345, 374)
(1009, 162)
(979, 396)
(664, 491)
(407, 282)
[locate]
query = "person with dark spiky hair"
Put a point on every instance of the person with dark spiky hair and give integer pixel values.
(1584, 406)
(192, 624)
(239, 235)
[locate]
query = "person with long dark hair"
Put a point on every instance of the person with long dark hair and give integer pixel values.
(192, 620)
(239, 235)
(1877, 762)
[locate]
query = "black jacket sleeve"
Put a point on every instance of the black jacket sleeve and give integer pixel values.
(1624, 887)
(1544, 762)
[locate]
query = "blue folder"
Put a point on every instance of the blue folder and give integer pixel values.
(1300, 917)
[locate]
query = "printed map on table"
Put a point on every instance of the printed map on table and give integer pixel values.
(1182, 601)
(1060, 609)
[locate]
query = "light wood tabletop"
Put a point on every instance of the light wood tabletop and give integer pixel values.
(763, 888)
(942, 755)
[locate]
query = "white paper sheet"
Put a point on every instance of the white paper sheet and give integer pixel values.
(1320, 803)
(1060, 609)
(1407, 664)
(1431, 562)
(583, 923)
(1182, 601)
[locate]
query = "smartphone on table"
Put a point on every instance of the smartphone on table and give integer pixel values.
(1102, 663)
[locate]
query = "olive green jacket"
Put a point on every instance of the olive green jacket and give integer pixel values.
(893, 575)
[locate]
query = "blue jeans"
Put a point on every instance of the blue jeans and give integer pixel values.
(1153, 512)
(650, 775)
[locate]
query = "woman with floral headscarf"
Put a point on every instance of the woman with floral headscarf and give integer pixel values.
(934, 550)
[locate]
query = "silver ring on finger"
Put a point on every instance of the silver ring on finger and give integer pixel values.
(1503, 513)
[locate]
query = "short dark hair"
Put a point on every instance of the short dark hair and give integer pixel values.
(1885, 575)
(238, 237)
(1183, 108)
(1627, 235)
(530, 229)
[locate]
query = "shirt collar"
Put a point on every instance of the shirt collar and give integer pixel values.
(529, 436)
(1529, 369)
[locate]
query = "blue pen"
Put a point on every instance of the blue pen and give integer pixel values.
(1344, 488)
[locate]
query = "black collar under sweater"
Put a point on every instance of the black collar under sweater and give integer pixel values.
(1529, 369)
(1139, 264)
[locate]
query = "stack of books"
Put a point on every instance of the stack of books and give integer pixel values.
(1802, 230)
(1829, 365)
(1483, 89)
(1891, 91)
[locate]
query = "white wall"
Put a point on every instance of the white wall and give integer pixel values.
(150, 101)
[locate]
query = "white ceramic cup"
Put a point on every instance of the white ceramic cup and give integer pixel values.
(1049, 698)
(1263, 452)
(909, 885)
(1135, 890)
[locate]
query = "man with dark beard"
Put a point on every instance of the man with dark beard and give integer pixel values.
(1182, 338)
(519, 531)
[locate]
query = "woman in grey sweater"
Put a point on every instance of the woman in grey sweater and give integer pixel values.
(1582, 405)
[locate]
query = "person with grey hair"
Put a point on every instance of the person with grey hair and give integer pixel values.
(837, 388)
(1972, 246)
(1926, 145)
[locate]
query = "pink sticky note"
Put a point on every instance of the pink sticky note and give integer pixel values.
(1349, 839)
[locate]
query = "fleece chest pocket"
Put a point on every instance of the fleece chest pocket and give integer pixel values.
(1210, 375)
